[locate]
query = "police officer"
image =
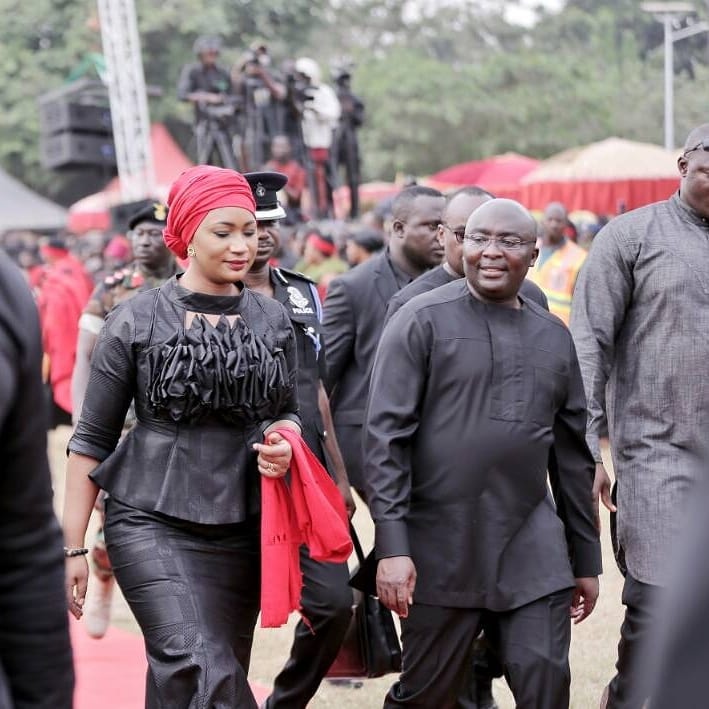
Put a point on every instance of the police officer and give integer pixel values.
(326, 597)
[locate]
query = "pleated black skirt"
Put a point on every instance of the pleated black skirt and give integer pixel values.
(194, 590)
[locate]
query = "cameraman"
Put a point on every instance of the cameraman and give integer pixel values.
(260, 94)
(345, 149)
(208, 87)
(320, 113)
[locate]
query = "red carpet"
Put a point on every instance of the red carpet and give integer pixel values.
(110, 672)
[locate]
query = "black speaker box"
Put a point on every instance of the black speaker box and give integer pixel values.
(63, 115)
(70, 150)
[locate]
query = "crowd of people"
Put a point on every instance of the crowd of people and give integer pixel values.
(452, 359)
(256, 116)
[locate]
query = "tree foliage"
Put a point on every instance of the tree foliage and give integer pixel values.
(443, 82)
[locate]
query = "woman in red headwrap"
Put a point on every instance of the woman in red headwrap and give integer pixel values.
(211, 367)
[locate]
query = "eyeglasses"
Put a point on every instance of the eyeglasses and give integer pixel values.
(699, 146)
(459, 234)
(506, 243)
(150, 233)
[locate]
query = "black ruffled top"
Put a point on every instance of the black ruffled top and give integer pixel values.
(223, 370)
(203, 394)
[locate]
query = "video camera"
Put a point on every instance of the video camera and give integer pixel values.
(299, 89)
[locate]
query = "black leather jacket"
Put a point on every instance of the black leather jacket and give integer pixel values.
(202, 394)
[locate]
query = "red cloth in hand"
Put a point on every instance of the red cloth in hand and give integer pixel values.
(311, 511)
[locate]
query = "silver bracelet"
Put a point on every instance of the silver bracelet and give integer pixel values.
(75, 551)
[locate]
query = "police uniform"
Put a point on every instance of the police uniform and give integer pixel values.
(326, 596)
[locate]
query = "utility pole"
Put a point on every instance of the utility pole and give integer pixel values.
(128, 98)
(668, 13)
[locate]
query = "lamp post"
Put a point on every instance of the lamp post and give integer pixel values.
(667, 13)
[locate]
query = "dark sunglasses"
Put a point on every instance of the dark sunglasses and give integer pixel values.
(699, 146)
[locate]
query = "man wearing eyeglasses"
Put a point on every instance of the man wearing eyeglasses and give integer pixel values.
(355, 308)
(471, 387)
(640, 320)
(459, 206)
(153, 264)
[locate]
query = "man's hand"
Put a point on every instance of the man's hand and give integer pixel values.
(585, 597)
(396, 579)
(602, 491)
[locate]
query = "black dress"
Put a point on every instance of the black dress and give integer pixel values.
(182, 521)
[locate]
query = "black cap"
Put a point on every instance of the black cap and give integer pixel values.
(153, 212)
(265, 187)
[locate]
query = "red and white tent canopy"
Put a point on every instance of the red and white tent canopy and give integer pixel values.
(605, 177)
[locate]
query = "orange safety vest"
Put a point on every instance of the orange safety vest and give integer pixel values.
(557, 277)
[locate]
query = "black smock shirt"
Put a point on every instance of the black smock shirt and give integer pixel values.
(189, 455)
(465, 403)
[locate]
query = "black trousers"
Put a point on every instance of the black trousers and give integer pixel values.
(194, 590)
(485, 667)
(438, 646)
(327, 604)
(629, 687)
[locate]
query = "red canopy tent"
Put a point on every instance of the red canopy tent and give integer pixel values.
(605, 177)
(92, 212)
(499, 174)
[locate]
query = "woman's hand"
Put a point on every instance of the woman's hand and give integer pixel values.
(77, 578)
(274, 455)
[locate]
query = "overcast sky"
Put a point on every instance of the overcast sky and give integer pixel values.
(522, 11)
(518, 11)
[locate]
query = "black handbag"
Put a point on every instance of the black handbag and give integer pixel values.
(371, 646)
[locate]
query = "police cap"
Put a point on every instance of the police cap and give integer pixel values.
(265, 187)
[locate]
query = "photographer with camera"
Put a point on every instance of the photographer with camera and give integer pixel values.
(319, 117)
(208, 87)
(260, 93)
(345, 150)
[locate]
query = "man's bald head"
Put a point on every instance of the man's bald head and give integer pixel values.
(554, 223)
(696, 136)
(555, 208)
(693, 167)
(499, 209)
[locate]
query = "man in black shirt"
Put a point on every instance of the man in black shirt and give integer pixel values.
(355, 307)
(471, 387)
(208, 87)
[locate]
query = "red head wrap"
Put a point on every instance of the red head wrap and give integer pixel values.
(195, 193)
(324, 246)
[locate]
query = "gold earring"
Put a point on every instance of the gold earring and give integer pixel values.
(191, 252)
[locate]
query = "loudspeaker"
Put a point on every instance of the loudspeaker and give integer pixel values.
(63, 115)
(70, 150)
